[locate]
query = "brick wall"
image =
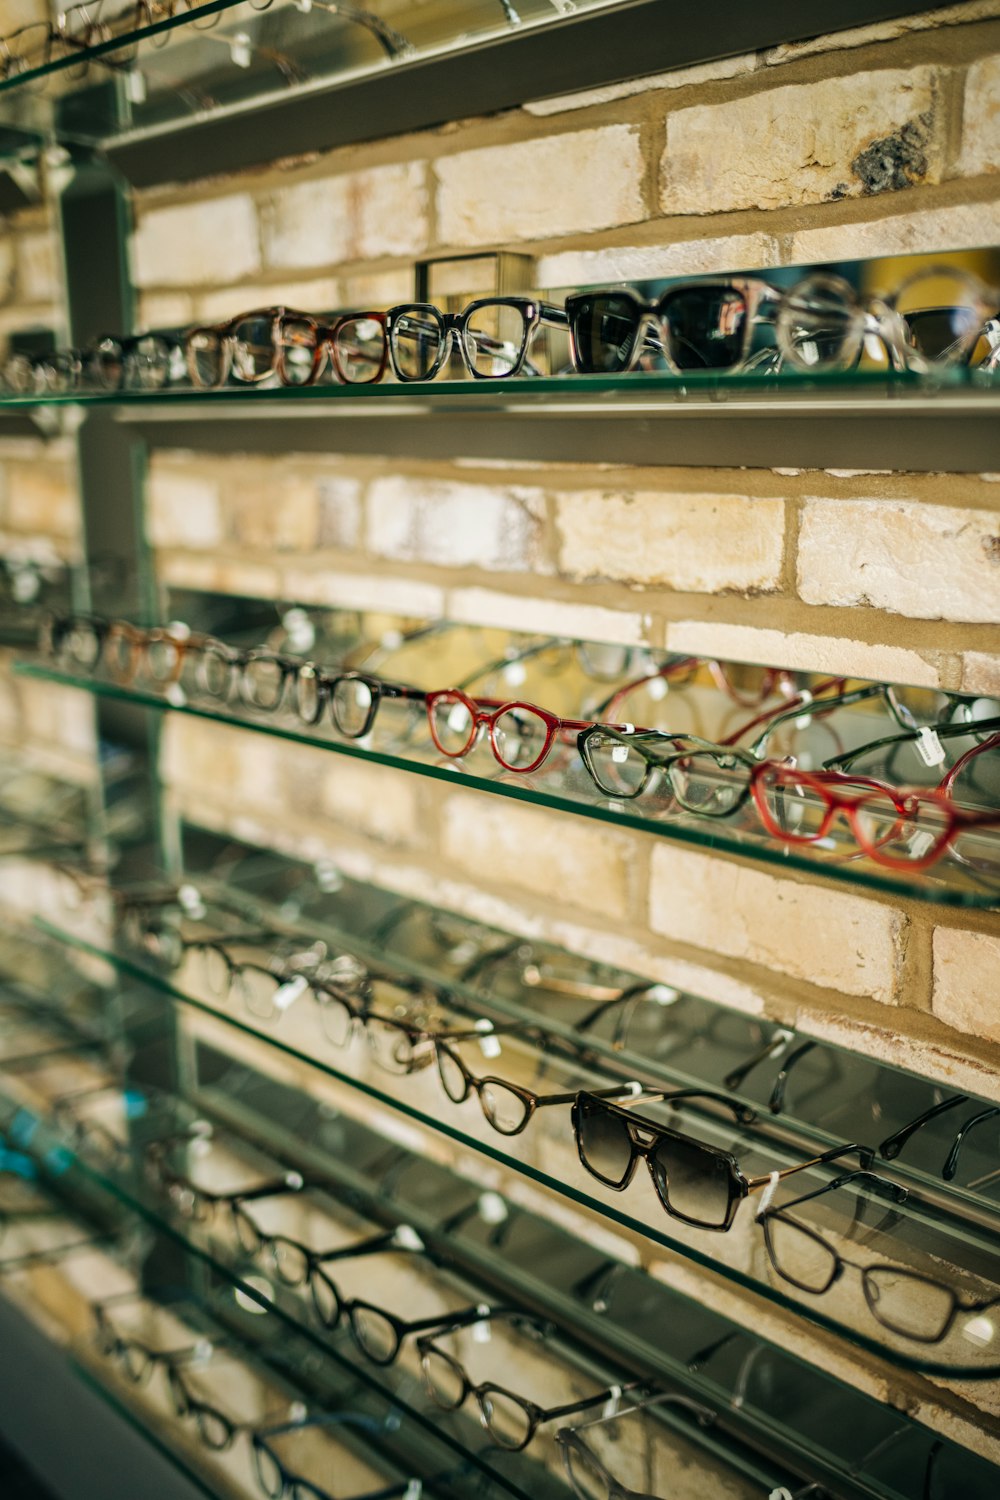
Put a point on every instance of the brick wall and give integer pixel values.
(878, 141)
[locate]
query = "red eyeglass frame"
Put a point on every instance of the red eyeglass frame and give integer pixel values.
(485, 713)
(830, 787)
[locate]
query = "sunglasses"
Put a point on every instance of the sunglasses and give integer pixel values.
(703, 325)
(699, 1184)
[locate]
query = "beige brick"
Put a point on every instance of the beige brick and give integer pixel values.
(572, 861)
(802, 652)
(703, 543)
(375, 800)
(811, 932)
(402, 596)
(183, 509)
(966, 968)
(339, 511)
(963, 226)
(320, 294)
(195, 753)
(929, 562)
(455, 525)
(585, 622)
(39, 276)
(981, 119)
(649, 262)
(981, 673)
(532, 189)
(884, 31)
(41, 500)
(281, 518)
(197, 244)
(60, 716)
(360, 215)
(805, 143)
(165, 310)
(680, 78)
(378, 289)
(948, 1065)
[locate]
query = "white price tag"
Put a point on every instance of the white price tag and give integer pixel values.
(620, 754)
(657, 689)
(490, 1046)
(804, 720)
(241, 49)
(286, 995)
(294, 1181)
(663, 994)
(458, 718)
(407, 1238)
(482, 1333)
(921, 842)
(328, 877)
(202, 1352)
(414, 1489)
(930, 748)
(610, 1408)
(175, 695)
(135, 86)
(391, 640)
(189, 899)
(179, 629)
(492, 1208)
(305, 6)
(514, 673)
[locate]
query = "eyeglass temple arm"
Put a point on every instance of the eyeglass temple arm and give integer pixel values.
(388, 1240)
(552, 1412)
(326, 1419)
(292, 1182)
(442, 1323)
(993, 743)
(951, 1163)
(626, 1089)
(875, 1184)
(865, 1153)
(742, 1112)
(669, 669)
(893, 1144)
(943, 732)
(776, 1103)
(805, 708)
(775, 1045)
(508, 661)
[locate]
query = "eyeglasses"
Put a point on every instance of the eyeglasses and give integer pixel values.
(493, 335)
(278, 1481)
(143, 362)
(893, 1144)
(702, 325)
(379, 1334)
(507, 1106)
(589, 1477)
(938, 316)
(699, 1184)
(520, 734)
(248, 347)
(137, 1358)
(296, 1265)
(907, 1303)
(354, 345)
(510, 1419)
(215, 1428)
(200, 1203)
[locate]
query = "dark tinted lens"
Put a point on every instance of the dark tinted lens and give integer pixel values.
(604, 1142)
(693, 1180)
(416, 342)
(604, 332)
(705, 327)
(942, 331)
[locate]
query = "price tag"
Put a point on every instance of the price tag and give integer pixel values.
(405, 1237)
(295, 1181)
(921, 842)
(490, 1046)
(657, 689)
(175, 695)
(305, 6)
(482, 1333)
(930, 748)
(781, 1494)
(300, 630)
(328, 877)
(391, 640)
(458, 718)
(414, 1489)
(620, 754)
(179, 629)
(514, 673)
(135, 86)
(202, 1352)
(610, 1408)
(189, 899)
(286, 994)
(240, 50)
(804, 720)
(298, 1411)
(492, 1209)
(663, 994)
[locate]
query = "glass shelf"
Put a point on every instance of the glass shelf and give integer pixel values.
(924, 1237)
(948, 390)
(569, 789)
(233, 55)
(665, 1036)
(714, 1361)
